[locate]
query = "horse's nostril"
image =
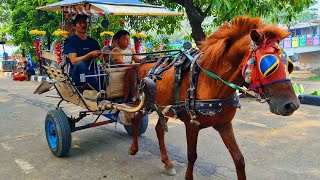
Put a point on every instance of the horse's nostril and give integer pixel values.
(290, 107)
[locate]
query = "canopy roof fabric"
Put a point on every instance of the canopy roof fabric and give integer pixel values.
(113, 7)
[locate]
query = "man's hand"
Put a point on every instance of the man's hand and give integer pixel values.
(95, 54)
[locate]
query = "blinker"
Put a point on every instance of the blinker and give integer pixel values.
(268, 64)
(287, 62)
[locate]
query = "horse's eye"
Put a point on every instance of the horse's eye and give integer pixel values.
(268, 65)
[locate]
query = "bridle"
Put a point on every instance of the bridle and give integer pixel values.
(266, 64)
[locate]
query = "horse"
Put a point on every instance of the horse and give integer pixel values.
(245, 49)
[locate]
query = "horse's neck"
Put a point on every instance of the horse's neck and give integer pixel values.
(228, 68)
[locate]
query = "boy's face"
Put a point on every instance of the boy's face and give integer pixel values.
(124, 41)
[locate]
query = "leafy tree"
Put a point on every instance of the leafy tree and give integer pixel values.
(303, 17)
(22, 16)
(225, 10)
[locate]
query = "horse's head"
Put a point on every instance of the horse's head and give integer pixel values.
(267, 68)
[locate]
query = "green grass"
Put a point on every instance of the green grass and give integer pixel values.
(314, 78)
(298, 88)
(317, 93)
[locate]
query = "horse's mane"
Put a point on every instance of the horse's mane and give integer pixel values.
(232, 39)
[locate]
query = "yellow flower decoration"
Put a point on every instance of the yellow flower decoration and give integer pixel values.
(108, 33)
(62, 33)
(37, 32)
(139, 35)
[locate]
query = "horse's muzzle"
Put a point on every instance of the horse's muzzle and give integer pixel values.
(286, 109)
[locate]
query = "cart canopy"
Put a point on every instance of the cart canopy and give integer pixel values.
(112, 7)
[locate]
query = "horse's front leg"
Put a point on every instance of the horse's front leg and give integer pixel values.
(227, 135)
(163, 151)
(136, 123)
(192, 132)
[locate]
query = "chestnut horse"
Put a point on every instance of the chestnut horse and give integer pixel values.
(226, 53)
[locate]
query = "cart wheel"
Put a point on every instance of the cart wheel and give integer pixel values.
(143, 127)
(58, 132)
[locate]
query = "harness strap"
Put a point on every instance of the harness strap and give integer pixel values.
(160, 68)
(211, 107)
(155, 74)
(191, 92)
(182, 63)
(152, 70)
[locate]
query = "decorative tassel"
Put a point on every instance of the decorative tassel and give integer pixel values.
(248, 79)
(57, 49)
(137, 45)
(248, 71)
(250, 62)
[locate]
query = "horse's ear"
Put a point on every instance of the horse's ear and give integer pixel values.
(256, 36)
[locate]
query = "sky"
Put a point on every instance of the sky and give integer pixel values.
(9, 49)
(317, 6)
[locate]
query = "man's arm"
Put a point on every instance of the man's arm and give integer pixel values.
(74, 59)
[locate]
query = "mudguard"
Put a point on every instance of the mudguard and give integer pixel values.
(44, 86)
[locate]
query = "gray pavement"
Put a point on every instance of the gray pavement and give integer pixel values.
(274, 147)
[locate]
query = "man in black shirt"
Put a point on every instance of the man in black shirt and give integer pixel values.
(82, 52)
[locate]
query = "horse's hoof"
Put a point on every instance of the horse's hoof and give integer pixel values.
(132, 152)
(171, 171)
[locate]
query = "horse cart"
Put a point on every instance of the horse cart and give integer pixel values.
(197, 86)
(113, 102)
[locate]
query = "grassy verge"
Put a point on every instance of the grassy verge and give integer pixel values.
(299, 89)
(314, 78)
(317, 77)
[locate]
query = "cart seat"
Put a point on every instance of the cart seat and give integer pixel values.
(90, 94)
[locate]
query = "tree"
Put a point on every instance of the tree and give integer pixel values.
(225, 10)
(22, 16)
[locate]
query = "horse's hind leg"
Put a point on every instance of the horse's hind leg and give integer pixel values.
(227, 135)
(163, 151)
(192, 132)
(136, 123)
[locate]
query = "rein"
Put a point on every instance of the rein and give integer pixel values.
(209, 107)
(211, 74)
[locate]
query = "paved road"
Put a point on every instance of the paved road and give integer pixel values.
(274, 147)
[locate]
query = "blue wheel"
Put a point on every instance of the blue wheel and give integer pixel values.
(58, 132)
(143, 127)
